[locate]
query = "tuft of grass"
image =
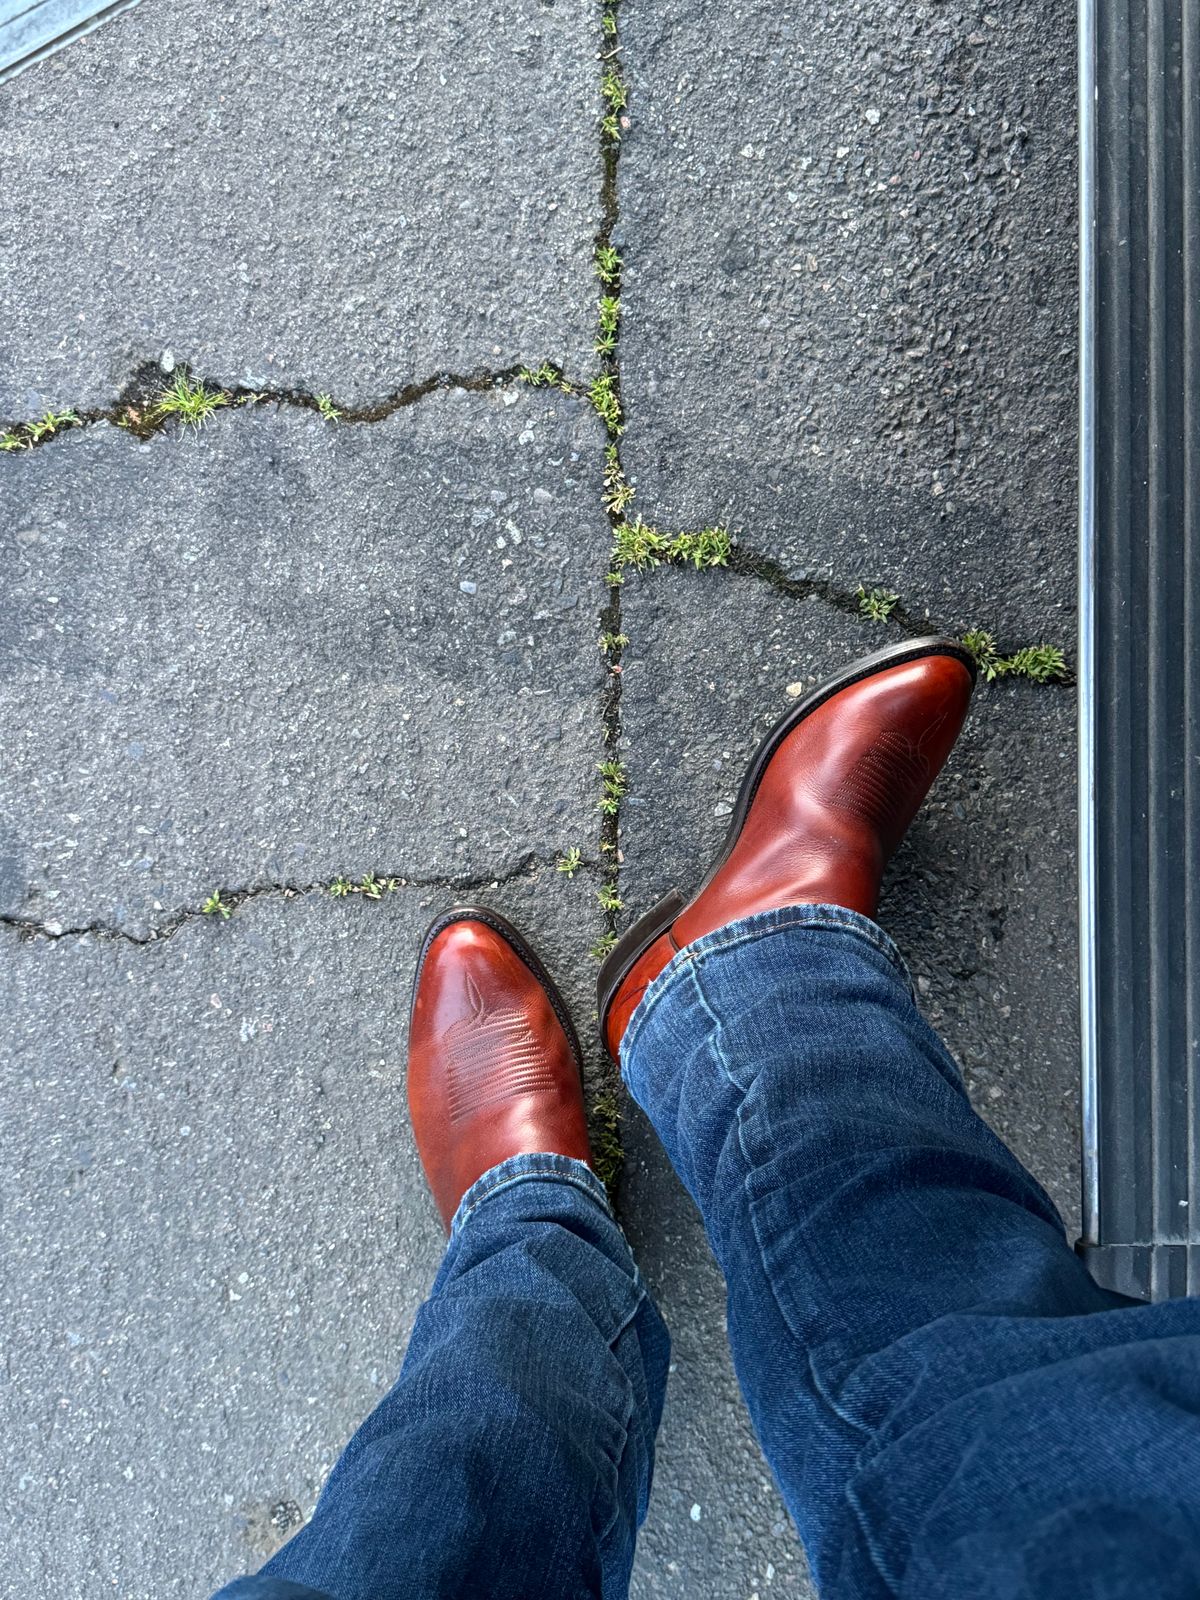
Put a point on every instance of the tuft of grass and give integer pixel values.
(615, 784)
(709, 547)
(608, 265)
(617, 492)
(369, 886)
(603, 395)
(50, 424)
(1039, 663)
(547, 376)
(638, 545)
(877, 604)
(188, 401)
(214, 906)
(26, 434)
(570, 861)
(616, 95)
(327, 408)
(603, 945)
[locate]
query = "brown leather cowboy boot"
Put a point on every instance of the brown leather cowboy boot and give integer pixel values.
(829, 795)
(494, 1066)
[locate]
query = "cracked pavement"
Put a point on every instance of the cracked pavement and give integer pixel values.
(283, 652)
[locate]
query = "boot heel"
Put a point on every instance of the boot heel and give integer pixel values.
(631, 945)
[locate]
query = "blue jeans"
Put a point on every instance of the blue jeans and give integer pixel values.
(951, 1406)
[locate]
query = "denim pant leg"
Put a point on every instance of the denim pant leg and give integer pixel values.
(950, 1404)
(513, 1457)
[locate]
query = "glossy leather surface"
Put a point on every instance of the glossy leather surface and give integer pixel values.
(491, 1070)
(833, 803)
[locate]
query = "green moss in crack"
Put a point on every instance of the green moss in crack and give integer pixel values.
(327, 408)
(185, 399)
(877, 604)
(603, 945)
(613, 641)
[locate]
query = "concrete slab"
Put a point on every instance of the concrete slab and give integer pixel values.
(284, 650)
(271, 193)
(216, 1231)
(849, 294)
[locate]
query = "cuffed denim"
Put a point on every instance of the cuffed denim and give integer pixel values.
(951, 1406)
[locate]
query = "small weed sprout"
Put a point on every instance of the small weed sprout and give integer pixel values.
(188, 401)
(14, 441)
(639, 545)
(1039, 663)
(608, 897)
(570, 861)
(617, 492)
(610, 317)
(604, 397)
(877, 604)
(603, 945)
(214, 906)
(615, 784)
(340, 888)
(708, 548)
(608, 265)
(49, 424)
(327, 408)
(547, 376)
(614, 91)
(613, 641)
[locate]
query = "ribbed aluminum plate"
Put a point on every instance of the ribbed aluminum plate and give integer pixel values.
(1140, 642)
(31, 29)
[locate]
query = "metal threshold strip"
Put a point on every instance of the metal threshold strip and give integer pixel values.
(31, 29)
(1139, 645)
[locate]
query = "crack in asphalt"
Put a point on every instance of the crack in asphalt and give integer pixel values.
(132, 411)
(529, 866)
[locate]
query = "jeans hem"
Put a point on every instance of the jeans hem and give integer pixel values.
(822, 918)
(539, 1166)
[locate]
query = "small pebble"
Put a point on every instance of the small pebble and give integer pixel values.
(468, 587)
(695, 1513)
